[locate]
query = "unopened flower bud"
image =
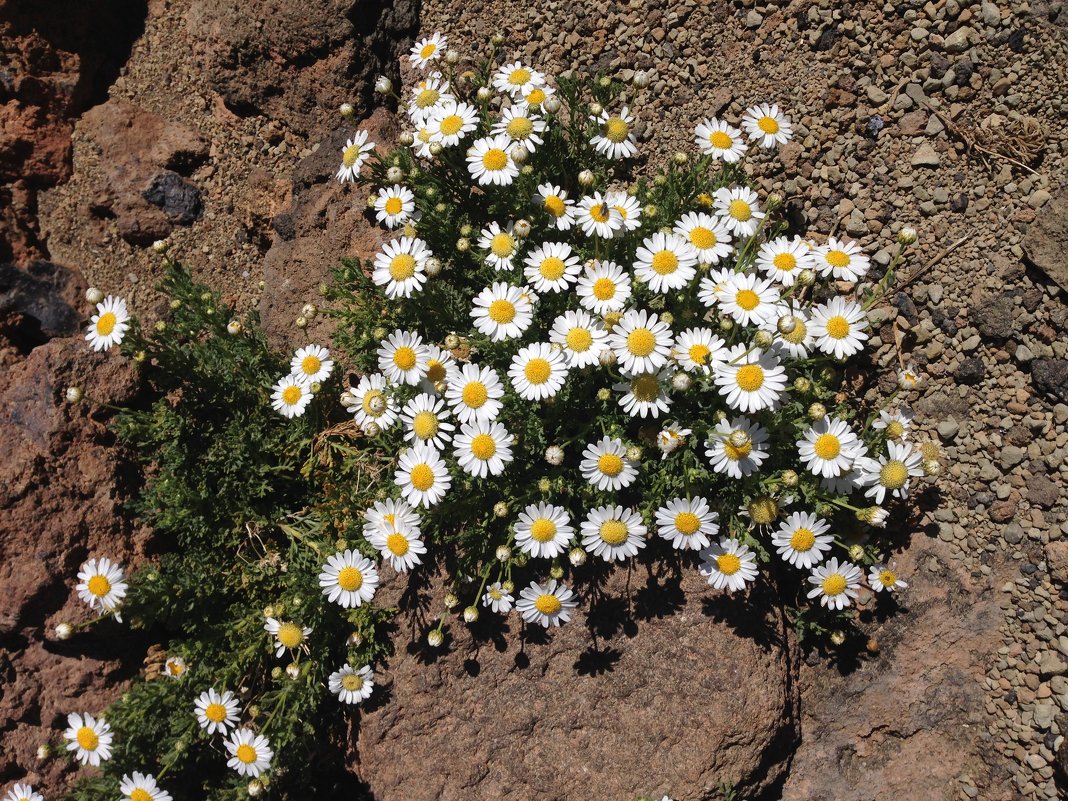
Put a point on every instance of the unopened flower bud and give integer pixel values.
(471, 614)
(233, 327)
(435, 638)
(484, 94)
(432, 266)
(161, 246)
(293, 670)
(680, 157)
(739, 438)
(551, 104)
(681, 382)
(786, 325)
(301, 322)
(520, 155)
(497, 39)
(577, 557)
(500, 509)
(372, 429)
(554, 455)
(395, 175)
(774, 201)
(521, 228)
(435, 148)
(309, 310)
(347, 111)
(817, 411)
(504, 553)
(907, 235)
(463, 244)
(383, 85)
(640, 79)
(634, 453)
(585, 178)
(726, 324)
(802, 384)
(596, 109)
(762, 339)
(806, 277)
(556, 572)
(276, 673)
(255, 787)
(838, 637)
(452, 342)
(604, 394)
(94, 295)
(932, 467)
(544, 485)
(650, 210)
(451, 601)
(789, 478)
(452, 57)
(856, 552)
(407, 138)
(63, 631)
(73, 394)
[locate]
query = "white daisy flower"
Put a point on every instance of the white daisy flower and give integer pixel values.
(782, 259)
(554, 202)
(250, 753)
(842, 260)
(538, 371)
(521, 127)
(597, 217)
(707, 235)
(489, 160)
(671, 438)
(829, 447)
(502, 311)
(427, 95)
(401, 267)
(736, 447)
(142, 787)
(286, 635)
(645, 394)
(424, 137)
(838, 327)
(739, 209)
(475, 393)
(767, 126)
(802, 539)
(352, 685)
(751, 382)
(544, 531)
(789, 324)
(291, 396)
(535, 95)
(603, 288)
(630, 210)
(426, 419)
(23, 792)
(312, 363)
(748, 299)
(835, 583)
(642, 341)
(349, 579)
(483, 448)
(354, 156)
(109, 325)
(892, 472)
(392, 527)
(451, 122)
(714, 286)
(908, 377)
(605, 465)
(687, 523)
(548, 605)
(89, 738)
(853, 478)
(718, 139)
(440, 366)
(615, 139)
(515, 78)
(502, 245)
(215, 711)
(175, 667)
(552, 267)
(665, 262)
(895, 424)
(394, 205)
(498, 599)
(373, 402)
(581, 337)
(427, 50)
(613, 532)
(402, 357)
(729, 565)
(102, 585)
(422, 476)
(883, 578)
(698, 350)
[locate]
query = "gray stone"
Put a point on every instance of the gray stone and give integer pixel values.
(959, 40)
(1046, 242)
(991, 14)
(1012, 456)
(1051, 664)
(993, 317)
(926, 156)
(948, 429)
(1013, 533)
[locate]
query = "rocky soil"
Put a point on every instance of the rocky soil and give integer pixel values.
(211, 122)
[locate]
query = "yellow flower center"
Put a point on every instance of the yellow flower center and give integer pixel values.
(737, 452)
(519, 76)
(394, 205)
(728, 564)
(140, 794)
(703, 238)
(622, 211)
(245, 753)
(428, 50)
(542, 530)
(699, 353)
(802, 540)
(452, 124)
(536, 97)
(579, 340)
(894, 474)
(768, 125)
(600, 213)
(551, 268)
(99, 586)
(483, 447)
(352, 682)
(785, 262)
(475, 394)
(837, 258)
(537, 371)
(740, 210)
(370, 402)
(834, 584)
(797, 336)
(290, 635)
(614, 532)
(291, 395)
(105, 324)
(827, 446)
(665, 262)
(350, 154)
(548, 604)
(404, 357)
(750, 378)
(427, 98)
(422, 477)
(604, 289)
(349, 579)
(402, 267)
(763, 510)
(894, 429)
(397, 544)
(645, 388)
(311, 365)
(87, 738)
(641, 342)
(616, 130)
(495, 159)
(502, 311)
(838, 327)
(425, 425)
(888, 578)
(216, 713)
(520, 128)
(435, 371)
(554, 205)
(424, 135)
(747, 299)
(502, 244)
(610, 464)
(687, 523)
